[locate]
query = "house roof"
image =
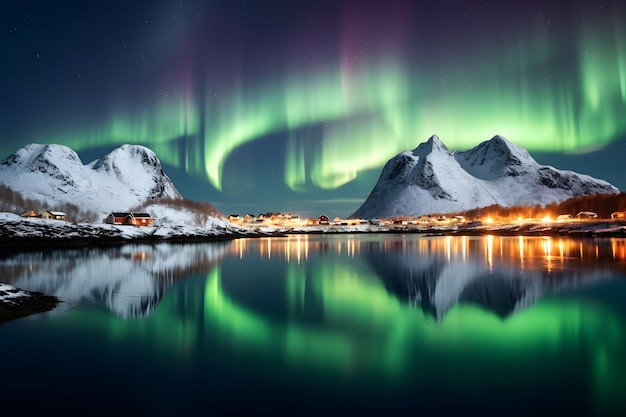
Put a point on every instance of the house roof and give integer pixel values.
(56, 213)
(126, 214)
(140, 215)
(119, 214)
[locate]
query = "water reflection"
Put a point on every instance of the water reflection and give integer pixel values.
(350, 314)
(406, 314)
(129, 280)
(500, 274)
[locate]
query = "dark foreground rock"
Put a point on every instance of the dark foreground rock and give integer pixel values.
(16, 303)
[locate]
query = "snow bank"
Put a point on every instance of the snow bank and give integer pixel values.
(9, 293)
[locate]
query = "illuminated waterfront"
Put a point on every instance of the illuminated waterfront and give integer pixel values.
(332, 324)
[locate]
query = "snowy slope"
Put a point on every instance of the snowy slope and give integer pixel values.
(426, 180)
(431, 179)
(54, 174)
(506, 167)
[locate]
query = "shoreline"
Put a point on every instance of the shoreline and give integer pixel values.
(18, 303)
(30, 243)
(69, 236)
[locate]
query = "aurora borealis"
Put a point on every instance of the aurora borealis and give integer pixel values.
(296, 106)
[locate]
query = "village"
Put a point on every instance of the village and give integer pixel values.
(289, 220)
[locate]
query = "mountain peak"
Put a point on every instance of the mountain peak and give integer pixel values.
(494, 158)
(433, 144)
(37, 157)
(126, 177)
(126, 156)
(432, 180)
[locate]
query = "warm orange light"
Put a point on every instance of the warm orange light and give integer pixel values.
(489, 220)
(546, 219)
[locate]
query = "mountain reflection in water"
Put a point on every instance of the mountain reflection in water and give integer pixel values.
(382, 315)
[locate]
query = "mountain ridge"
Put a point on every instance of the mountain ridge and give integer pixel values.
(432, 179)
(126, 177)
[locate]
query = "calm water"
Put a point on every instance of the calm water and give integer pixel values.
(344, 324)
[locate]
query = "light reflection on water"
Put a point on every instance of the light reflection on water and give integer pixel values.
(355, 319)
(547, 250)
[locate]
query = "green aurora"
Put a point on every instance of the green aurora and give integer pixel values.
(324, 106)
(390, 106)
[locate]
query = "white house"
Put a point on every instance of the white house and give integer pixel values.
(53, 215)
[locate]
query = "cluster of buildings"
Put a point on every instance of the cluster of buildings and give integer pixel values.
(48, 214)
(120, 218)
(288, 219)
(291, 220)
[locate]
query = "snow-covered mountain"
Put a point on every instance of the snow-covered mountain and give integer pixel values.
(432, 179)
(54, 174)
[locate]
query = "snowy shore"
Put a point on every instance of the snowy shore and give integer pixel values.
(16, 303)
(18, 233)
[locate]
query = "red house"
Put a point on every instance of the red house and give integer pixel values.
(323, 219)
(139, 219)
(135, 219)
(116, 218)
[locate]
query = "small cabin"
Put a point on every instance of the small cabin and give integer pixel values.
(31, 213)
(618, 215)
(586, 215)
(139, 219)
(323, 219)
(116, 217)
(53, 215)
(564, 217)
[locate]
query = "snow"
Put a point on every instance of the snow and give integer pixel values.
(428, 179)
(131, 279)
(8, 293)
(431, 180)
(54, 175)
(127, 177)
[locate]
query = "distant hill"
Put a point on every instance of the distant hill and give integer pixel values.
(53, 177)
(432, 179)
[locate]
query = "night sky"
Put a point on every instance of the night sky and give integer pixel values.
(295, 106)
